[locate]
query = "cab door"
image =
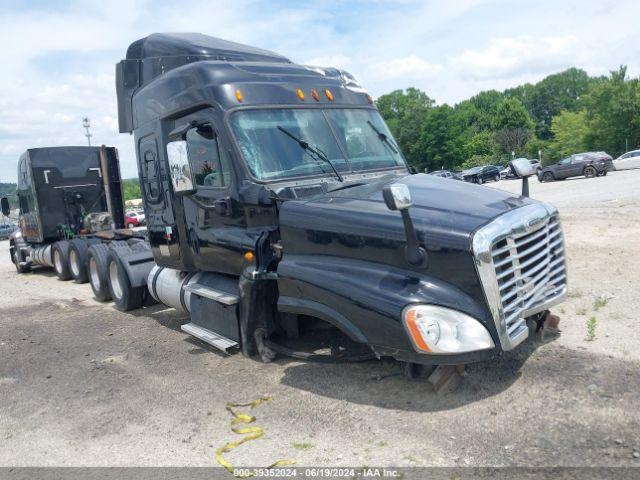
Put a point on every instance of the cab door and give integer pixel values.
(215, 220)
(162, 225)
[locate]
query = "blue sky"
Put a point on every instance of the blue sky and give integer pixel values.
(58, 57)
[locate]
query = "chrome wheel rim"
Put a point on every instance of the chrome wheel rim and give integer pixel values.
(93, 273)
(57, 261)
(589, 173)
(114, 279)
(74, 263)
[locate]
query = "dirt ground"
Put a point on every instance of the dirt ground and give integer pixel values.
(82, 384)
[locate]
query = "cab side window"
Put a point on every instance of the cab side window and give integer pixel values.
(210, 166)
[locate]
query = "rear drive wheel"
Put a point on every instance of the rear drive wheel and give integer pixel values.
(548, 177)
(125, 297)
(78, 257)
(590, 172)
(97, 271)
(60, 254)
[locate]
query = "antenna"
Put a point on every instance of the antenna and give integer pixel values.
(86, 123)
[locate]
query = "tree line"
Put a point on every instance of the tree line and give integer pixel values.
(565, 113)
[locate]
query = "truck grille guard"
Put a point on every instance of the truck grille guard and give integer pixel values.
(521, 264)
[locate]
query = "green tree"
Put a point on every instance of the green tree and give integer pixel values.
(513, 127)
(405, 112)
(131, 187)
(613, 113)
(570, 131)
(442, 139)
(550, 96)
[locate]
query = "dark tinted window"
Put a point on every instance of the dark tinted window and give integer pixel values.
(210, 167)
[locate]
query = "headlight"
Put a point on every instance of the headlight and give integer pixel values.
(442, 330)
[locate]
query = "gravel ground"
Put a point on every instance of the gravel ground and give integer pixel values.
(82, 384)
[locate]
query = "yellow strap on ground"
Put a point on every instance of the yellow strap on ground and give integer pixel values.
(251, 433)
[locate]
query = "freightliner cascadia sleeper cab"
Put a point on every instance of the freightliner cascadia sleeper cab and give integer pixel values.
(278, 200)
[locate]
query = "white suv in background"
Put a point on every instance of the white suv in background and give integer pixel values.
(628, 160)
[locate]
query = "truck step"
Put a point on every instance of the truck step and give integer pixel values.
(213, 339)
(212, 293)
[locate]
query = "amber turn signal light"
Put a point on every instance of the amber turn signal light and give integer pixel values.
(249, 256)
(239, 96)
(329, 95)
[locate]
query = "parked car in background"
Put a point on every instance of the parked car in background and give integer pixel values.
(627, 161)
(131, 221)
(480, 175)
(589, 164)
(7, 229)
(137, 215)
(442, 173)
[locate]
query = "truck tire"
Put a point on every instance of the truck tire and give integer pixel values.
(125, 297)
(97, 271)
(78, 257)
(60, 256)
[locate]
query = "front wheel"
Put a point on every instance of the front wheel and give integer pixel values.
(130, 225)
(479, 181)
(496, 178)
(14, 251)
(590, 172)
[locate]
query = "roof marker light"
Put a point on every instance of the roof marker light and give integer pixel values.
(239, 96)
(314, 94)
(300, 94)
(329, 95)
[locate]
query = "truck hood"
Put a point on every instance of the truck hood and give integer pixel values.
(445, 213)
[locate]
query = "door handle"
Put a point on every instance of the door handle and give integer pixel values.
(223, 206)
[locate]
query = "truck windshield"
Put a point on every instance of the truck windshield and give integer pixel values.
(354, 140)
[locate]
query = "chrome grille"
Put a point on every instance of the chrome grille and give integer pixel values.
(521, 263)
(530, 269)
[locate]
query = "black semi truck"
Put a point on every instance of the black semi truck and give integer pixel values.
(72, 219)
(279, 205)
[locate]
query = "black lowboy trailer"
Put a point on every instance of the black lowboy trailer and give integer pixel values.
(279, 205)
(72, 219)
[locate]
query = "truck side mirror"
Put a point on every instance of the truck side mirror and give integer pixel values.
(397, 196)
(180, 168)
(523, 168)
(5, 206)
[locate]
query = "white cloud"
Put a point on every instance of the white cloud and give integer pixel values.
(406, 68)
(511, 55)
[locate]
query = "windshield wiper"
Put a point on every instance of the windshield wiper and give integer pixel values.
(317, 153)
(383, 138)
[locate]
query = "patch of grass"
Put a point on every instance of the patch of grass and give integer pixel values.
(303, 446)
(581, 311)
(591, 329)
(383, 444)
(599, 303)
(574, 294)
